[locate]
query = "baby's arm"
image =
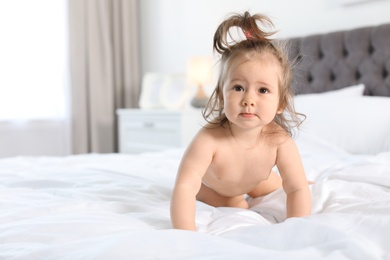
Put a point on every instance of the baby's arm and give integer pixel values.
(295, 183)
(193, 166)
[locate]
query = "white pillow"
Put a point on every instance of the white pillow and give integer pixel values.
(359, 125)
(356, 90)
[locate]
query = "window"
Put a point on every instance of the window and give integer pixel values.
(33, 63)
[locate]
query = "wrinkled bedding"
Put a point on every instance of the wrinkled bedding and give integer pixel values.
(116, 206)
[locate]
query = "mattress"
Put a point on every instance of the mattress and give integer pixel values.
(116, 206)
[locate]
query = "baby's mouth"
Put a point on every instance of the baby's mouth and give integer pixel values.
(247, 115)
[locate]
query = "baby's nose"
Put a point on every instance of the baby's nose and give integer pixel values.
(248, 101)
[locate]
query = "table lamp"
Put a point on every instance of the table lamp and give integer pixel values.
(199, 73)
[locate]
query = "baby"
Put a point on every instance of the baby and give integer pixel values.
(250, 117)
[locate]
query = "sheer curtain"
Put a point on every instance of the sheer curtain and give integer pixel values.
(33, 78)
(105, 73)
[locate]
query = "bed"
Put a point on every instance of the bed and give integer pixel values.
(116, 206)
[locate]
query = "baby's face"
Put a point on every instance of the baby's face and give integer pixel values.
(251, 91)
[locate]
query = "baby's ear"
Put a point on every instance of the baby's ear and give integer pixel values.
(280, 110)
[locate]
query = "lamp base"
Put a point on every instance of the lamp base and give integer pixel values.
(200, 99)
(199, 102)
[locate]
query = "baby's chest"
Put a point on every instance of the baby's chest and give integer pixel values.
(250, 165)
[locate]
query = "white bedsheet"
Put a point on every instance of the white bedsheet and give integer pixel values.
(116, 206)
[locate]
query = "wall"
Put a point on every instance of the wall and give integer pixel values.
(174, 30)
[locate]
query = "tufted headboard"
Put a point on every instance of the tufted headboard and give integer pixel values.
(340, 59)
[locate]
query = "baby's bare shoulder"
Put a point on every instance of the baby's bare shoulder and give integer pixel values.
(276, 135)
(212, 131)
(208, 135)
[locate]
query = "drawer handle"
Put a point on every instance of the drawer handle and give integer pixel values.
(149, 125)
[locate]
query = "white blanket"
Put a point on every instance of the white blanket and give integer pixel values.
(116, 206)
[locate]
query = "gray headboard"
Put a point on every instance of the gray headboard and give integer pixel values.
(339, 59)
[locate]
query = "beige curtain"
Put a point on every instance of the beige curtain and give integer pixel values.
(105, 70)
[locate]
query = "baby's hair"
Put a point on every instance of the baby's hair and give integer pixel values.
(256, 42)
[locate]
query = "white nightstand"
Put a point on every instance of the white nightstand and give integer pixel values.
(156, 130)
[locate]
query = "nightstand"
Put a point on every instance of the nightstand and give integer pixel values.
(155, 130)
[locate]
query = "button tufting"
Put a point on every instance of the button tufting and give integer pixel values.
(309, 78)
(357, 75)
(332, 77)
(385, 73)
(345, 53)
(371, 49)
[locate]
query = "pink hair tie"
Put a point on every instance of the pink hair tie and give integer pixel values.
(248, 35)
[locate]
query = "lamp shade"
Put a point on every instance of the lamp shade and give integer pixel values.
(199, 70)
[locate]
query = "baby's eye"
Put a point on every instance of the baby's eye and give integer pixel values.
(238, 88)
(263, 90)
